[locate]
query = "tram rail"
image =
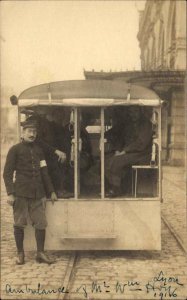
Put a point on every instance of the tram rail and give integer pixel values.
(174, 234)
(69, 275)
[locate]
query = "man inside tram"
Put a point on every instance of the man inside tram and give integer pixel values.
(136, 149)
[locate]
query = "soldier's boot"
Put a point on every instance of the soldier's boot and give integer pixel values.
(41, 257)
(114, 192)
(20, 258)
(19, 237)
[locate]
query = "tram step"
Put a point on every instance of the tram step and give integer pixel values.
(88, 236)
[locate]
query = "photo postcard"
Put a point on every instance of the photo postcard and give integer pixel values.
(93, 150)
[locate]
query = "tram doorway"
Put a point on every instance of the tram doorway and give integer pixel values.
(103, 145)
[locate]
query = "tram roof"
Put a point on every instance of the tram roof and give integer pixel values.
(87, 92)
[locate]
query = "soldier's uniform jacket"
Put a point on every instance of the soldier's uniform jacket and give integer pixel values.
(116, 137)
(139, 136)
(31, 175)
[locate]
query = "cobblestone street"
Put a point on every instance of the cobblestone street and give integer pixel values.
(97, 274)
(174, 201)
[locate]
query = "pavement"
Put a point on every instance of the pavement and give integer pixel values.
(103, 274)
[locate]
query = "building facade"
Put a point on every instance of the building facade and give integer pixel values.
(162, 40)
(162, 35)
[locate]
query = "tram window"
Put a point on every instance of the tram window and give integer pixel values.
(130, 143)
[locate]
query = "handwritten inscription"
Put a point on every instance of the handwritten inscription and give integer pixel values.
(104, 287)
(160, 287)
(163, 287)
(38, 291)
(120, 287)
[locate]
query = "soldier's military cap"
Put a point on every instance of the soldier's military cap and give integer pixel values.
(29, 123)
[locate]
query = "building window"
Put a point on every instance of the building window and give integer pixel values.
(153, 55)
(172, 35)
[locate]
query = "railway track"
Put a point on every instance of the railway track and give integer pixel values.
(69, 275)
(174, 234)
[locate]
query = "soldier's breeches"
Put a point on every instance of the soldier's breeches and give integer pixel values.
(32, 208)
(115, 165)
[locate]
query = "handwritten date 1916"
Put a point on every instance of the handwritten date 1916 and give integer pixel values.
(163, 286)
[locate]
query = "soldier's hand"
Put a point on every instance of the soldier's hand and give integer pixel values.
(53, 197)
(61, 156)
(11, 199)
(118, 153)
(44, 200)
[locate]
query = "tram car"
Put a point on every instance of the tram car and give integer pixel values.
(91, 218)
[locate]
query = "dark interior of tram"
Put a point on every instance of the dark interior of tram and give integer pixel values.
(120, 141)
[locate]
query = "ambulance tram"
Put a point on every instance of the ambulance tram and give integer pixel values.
(90, 219)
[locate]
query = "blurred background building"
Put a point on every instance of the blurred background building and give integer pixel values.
(162, 40)
(9, 128)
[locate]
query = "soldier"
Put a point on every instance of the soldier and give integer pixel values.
(27, 194)
(137, 149)
(46, 139)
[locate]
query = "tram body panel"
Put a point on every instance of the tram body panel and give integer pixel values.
(101, 225)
